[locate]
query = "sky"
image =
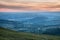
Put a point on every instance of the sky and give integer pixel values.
(29, 5)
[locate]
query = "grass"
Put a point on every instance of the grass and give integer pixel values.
(6, 34)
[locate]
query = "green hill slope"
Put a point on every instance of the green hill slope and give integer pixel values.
(6, 34)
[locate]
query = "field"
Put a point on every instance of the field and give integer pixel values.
(6, 34)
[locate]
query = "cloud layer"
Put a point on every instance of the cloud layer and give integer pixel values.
(17, 5)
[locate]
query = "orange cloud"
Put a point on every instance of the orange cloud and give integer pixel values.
(28, 6)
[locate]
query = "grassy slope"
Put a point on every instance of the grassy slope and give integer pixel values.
(6, 34)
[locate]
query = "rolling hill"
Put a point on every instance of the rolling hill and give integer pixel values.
(6, 34)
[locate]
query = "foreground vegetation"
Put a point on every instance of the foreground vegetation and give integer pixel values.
(6, 34)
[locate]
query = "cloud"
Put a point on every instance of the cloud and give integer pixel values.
(14, 7)
(25, 6)
(30, 0)
(55, 6)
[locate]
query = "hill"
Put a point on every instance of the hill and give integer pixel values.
(6, 34)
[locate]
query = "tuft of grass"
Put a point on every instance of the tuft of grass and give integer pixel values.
(6, 34)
